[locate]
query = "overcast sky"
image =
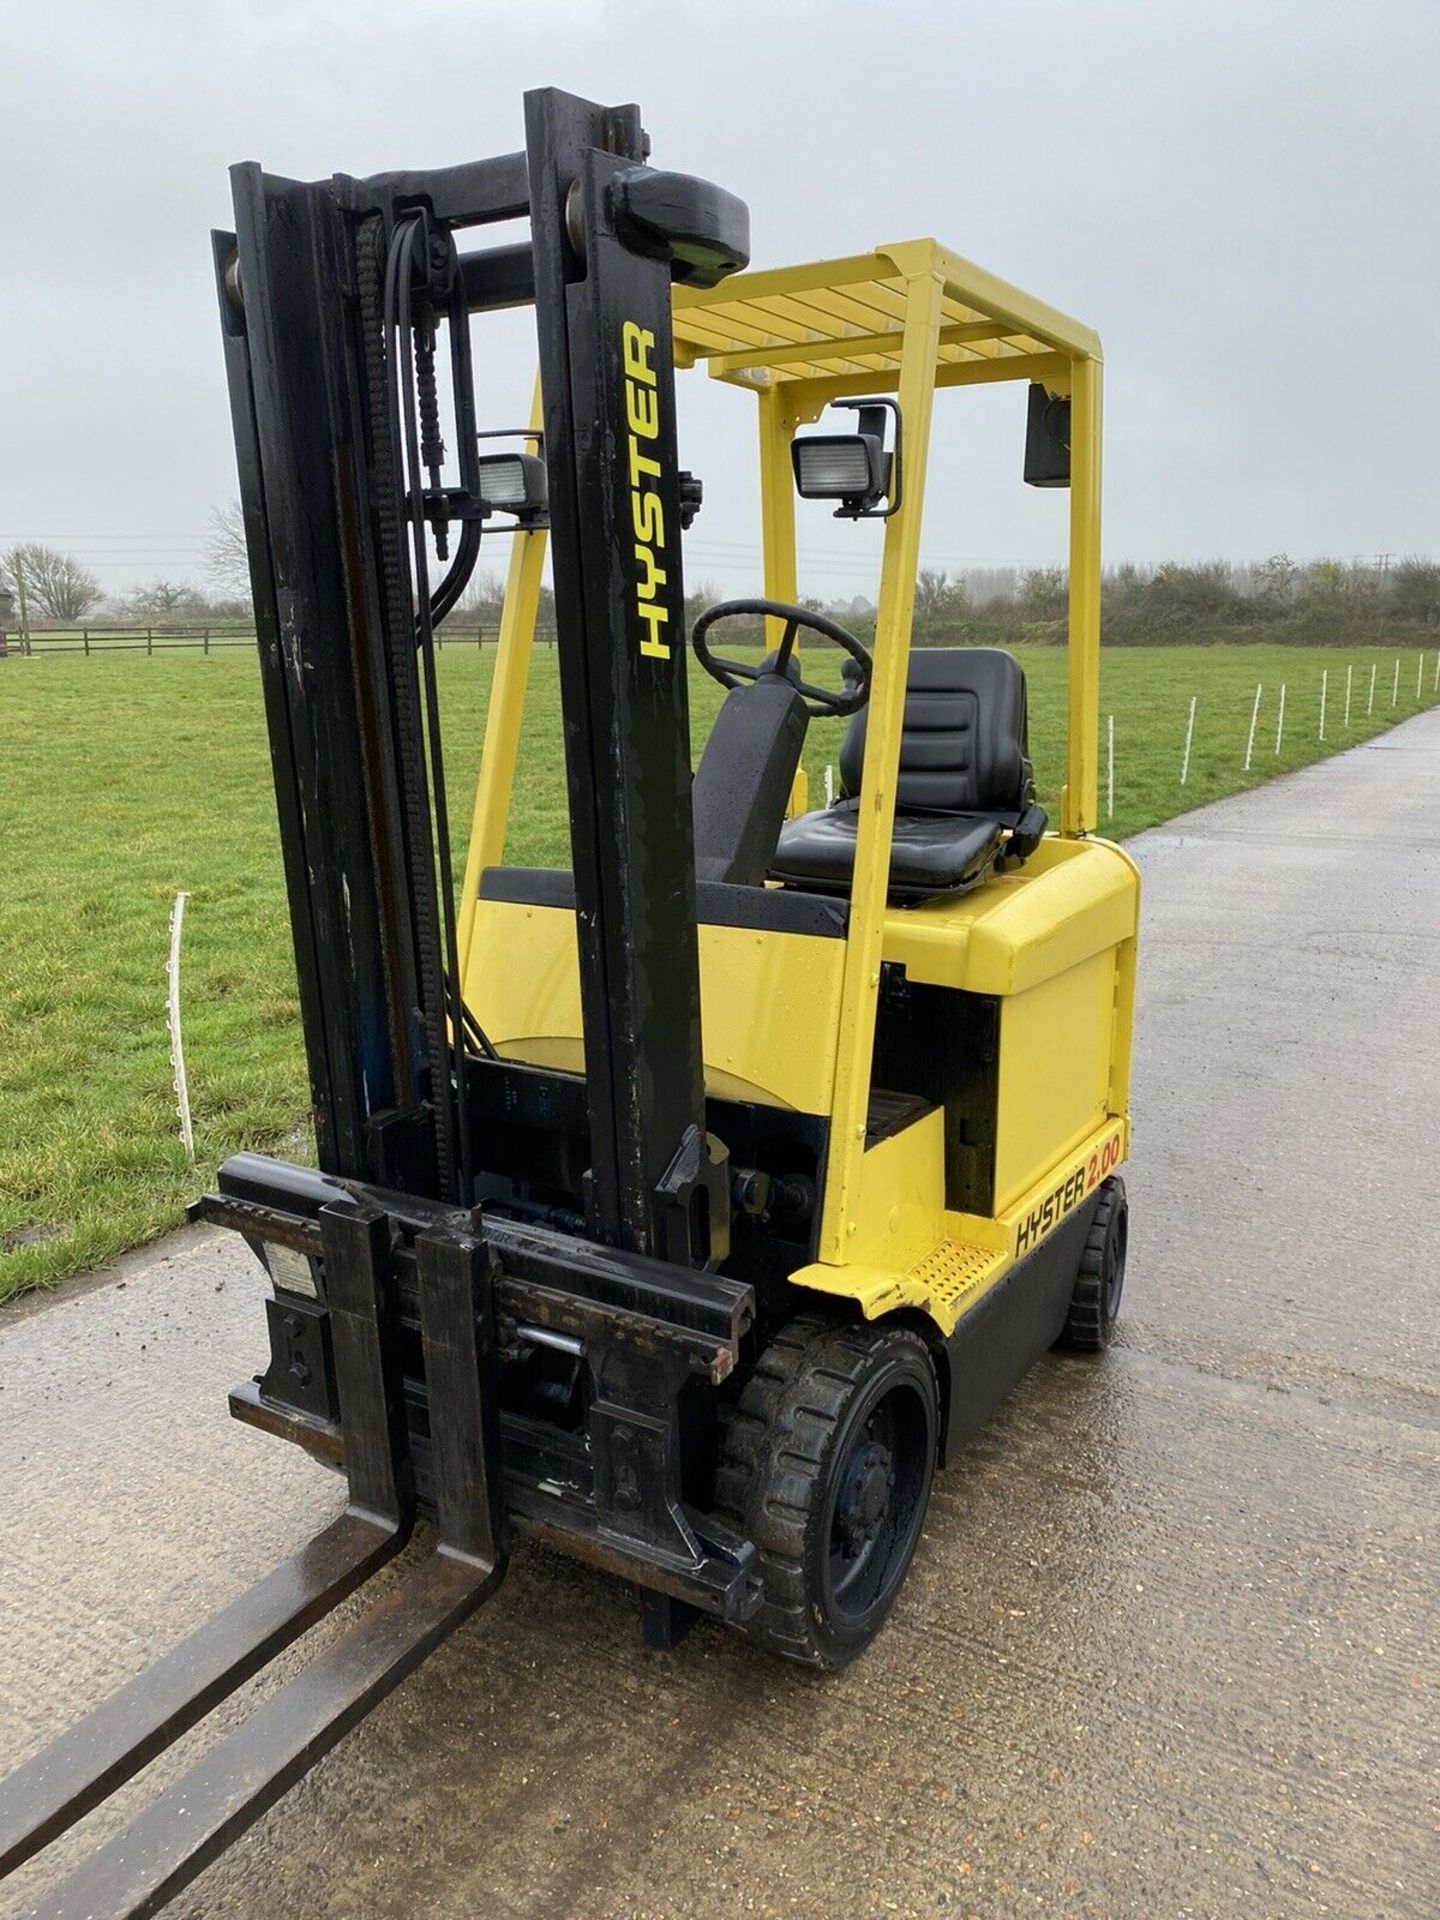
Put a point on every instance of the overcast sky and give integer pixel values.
(1240, 195)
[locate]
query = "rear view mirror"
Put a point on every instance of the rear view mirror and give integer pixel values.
(1047, 439)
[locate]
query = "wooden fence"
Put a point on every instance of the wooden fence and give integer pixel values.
(206, 639)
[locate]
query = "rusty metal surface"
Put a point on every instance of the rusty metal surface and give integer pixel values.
(1170, 1645)
(548, 1278)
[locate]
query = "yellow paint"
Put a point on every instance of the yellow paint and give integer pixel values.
(778, 419)
(754, 327)
(900, 1204)
(647, 512)
(1123, 1021)
(496, 785)
(854, 1041)
(1080, 802)
(1072, 898)
(1054, 1070)
(764, 996)
(969, 1256)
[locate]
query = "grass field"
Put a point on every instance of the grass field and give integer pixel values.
(128, 779)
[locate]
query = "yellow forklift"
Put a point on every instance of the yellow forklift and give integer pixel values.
(922, 968)
(684, 1207)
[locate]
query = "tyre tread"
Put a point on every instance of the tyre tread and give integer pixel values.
(1086, 1329)
(774, 1460)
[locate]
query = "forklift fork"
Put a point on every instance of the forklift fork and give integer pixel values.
(197, 1818)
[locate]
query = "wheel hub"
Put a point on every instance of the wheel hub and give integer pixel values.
(869, 1480)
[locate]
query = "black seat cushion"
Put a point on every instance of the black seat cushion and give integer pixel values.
(964, 782)
(931, 852)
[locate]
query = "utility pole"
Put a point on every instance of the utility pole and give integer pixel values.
(24, 604)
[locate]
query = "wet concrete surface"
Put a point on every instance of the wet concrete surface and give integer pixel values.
(1170, 1645)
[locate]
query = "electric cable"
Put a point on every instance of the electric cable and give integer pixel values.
(405, 256)
(400, 337)
(462, 381)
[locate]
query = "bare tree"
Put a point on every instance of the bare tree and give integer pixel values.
(703, 594)
(1274, 583)
(227, 558)
(482, 601)
(55, 585)
(161, 598)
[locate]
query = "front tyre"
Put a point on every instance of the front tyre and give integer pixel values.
(827, 1467)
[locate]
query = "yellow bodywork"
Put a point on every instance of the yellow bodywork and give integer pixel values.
(789, 1019)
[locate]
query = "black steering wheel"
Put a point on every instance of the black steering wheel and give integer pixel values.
(818, 700)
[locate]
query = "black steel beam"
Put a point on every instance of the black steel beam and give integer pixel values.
(607, 371)
(475, 193)
(276, 1200)
(457, 1333)
(362, 1297)
(498, 277)
(300, 412)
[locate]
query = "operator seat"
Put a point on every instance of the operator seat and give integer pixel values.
(745, 776)
(965, 799)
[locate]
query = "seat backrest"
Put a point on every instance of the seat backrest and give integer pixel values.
(744, 778)
(963, 746)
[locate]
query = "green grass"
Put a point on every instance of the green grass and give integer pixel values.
(128, 779)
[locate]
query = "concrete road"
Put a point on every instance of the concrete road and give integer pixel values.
(1170, 1646)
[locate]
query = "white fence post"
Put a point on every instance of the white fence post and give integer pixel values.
(177, 1051)
(1370, 703)
(1419, 675)
(829, 786)
(1189, 736)
(1254, 716)
(1349, 676)
(1110, 767)
(1324, 686)
(1280, 723)
(1395, 687)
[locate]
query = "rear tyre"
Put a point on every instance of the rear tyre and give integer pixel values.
(1100, 1281)
(827, 1468)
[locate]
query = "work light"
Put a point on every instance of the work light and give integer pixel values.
(512, 483)
(853, 468)
(839, 466)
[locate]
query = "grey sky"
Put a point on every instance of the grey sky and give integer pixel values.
(1241, 198)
